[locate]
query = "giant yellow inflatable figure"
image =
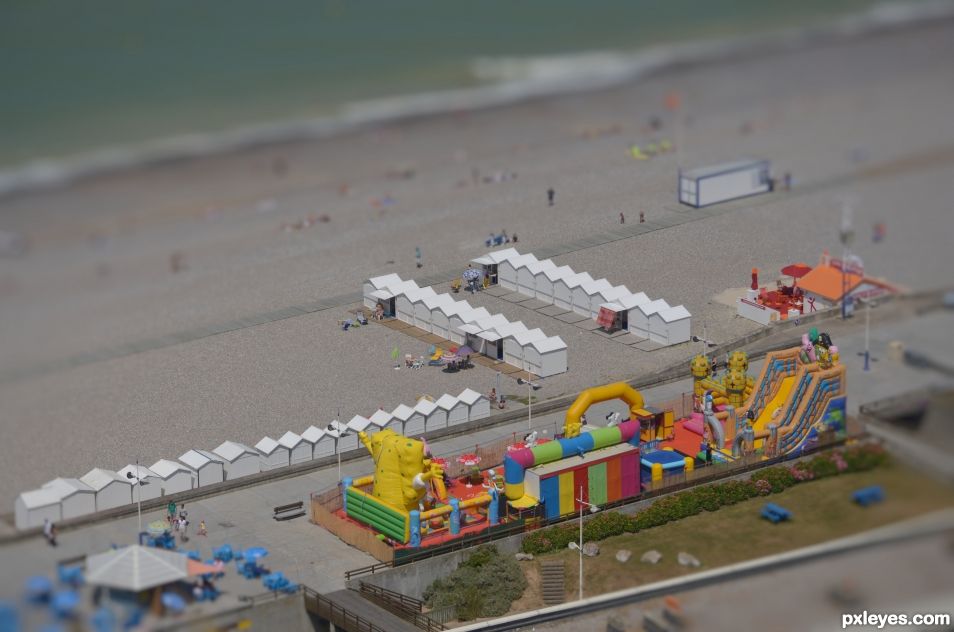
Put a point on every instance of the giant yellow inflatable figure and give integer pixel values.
(401, 473)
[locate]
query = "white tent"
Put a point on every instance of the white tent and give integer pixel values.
(381, 419)
(136, 568)
(563, 289)
(411, 422)
(434, 417)
(455, 321)
(76, 497)
(585, 293)
(441, 307)
(322, 444)
(151, 483)
(240, 460)
(527, 276)
(346, 439)
(547, 280)
(488, 264)
(274, 454)
(456, 410)
(639, 317)
(175, 476)
(112, 490)
(478, 405)
(507, 270)
(546, 357)
(33, 507)
(299, 450)
(515, 346)
(378, 284)
(670, 326)
(606, 295)
(209, 467)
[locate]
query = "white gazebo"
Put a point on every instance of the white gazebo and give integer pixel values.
(507, 270)
(563, 289)
(273, 454)
(456, 320)
(240, 460)
(381, 419)
(670, 326)
(434, 417)
(456, 410)
(441, 313)
(488, 264)
(151, 483)
(322, 443)
(76, 497)
(112, 490)
(33, 507)
(299, 450)
(585, 293)
(546, 357)
(516, 344)
(176, 477)
(376, 288)
(528, 275)
(346, 439)
(478, 405)
(209, 467)
(546, 282)
(135, 568)
(639, 317)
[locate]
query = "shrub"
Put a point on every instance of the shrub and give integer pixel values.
(484, 585)
(780, 478)
(864, 457)
(604, 525)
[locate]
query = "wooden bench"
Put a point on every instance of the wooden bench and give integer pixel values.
(290, 511)
(775, 514)
(868, 495)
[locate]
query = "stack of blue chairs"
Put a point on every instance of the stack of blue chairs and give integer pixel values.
(278, 582)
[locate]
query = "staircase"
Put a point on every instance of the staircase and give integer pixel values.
(553, 581)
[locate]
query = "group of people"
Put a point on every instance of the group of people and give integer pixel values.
(178, 519)
(502, 238)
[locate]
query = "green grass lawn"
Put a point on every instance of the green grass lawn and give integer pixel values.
(822, 510)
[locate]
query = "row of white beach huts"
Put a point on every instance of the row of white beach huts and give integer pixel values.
(100, 489)
(580, 293)
(489, 334)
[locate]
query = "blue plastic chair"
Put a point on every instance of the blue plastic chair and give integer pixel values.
(65, 603)
(70, 575)
(103, 620)
(39, 589)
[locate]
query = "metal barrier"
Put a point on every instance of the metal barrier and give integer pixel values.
(408, 608)
(328, 610)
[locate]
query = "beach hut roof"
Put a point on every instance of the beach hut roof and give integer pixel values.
(438, 300)
(558, 272)
(136, 568)
(403, 412)
(164, 468)
(522, 261)
(447, 402)
(501, 255)
(468, 328)
(387, 280)
(425, 406)
(491, 321)
(489, 335)
(592, 287)
(613, 307)
(474, 315)
(267, 445)
(232, 450)
(359, 423)
(552, 343)
(313, 434)
(98, 478)
(577, 279)
(66, 487)
(525, 337)
(381, 418)
(138, 471)
(382, 295)
(616, 291)
(629, 301)
(535, 267)
(403, 287)
(290, 440)
(199, 458)
(509, 329)
(457, 307)
(469, 396)
(653, 306)
(36, 498)
(678, 312)
(419, 294)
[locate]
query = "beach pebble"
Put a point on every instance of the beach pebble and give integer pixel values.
(651, 557)
(524, 557)
(623, 555)
(591, 549)
(688, 560)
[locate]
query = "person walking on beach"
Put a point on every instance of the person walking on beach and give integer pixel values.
(551, 194)
(49, 531)
(202, 530)
(417, 255)
(642, 217)
(622, 218)
(171, 510)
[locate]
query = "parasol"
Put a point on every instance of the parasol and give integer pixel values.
(157, 527)
(439, 461)
(465, 351)
(796, 271)
(468, 459)
(471, 274)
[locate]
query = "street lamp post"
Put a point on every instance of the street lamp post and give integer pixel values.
(139, 485)
(846, 235)
(579, 547)
(531, 386)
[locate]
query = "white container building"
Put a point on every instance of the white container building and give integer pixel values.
(515, 346)
(639, 317)
(546, 357)
(585, 293)
(425, 305)
(411, 423)
(151, 483)
(670, 326)
(112, 490)
(434, 417)
(491, 344)
(381, 419)
(456, 321)
(240, 460)
(478, 405)
(607, 295)
(546, 282)
(629, 303)
(76, 497)
(299, 450)
(360, 423)
(176, 477)
(457, 410)
(322, 443)
(488, 264)
(507, 270)
(273, 454)
(209, 467)
(721, 183)
(441, 313)
(563, 289)
(528, 276)
(376, 288)
(33, 507)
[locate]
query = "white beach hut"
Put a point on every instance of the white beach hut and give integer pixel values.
(547, 280)
(376, 290)
(507, 331)
(404, 301)
(322, 443)
(563, 289)
(441, 313)
(299, 450)
(478, 405)
(528, 275)
(425, 306)
(360, 423)
(469, 336)
(33, 507)
(346, 439)
(507, 270)
(639, 317)
(606, 295)
(381, 419)
(546, 357)
(585, 293)
(434, 417)
(515, 346)
(670, 326)
(488, 264)
(273, 454)
(176, 477)
(112, 490)
(457, 410)
(240, 460)
(76, 497)
(629, 303)
(490, 344)
(151, 486)
(456, 320)
(402, 416)
(209, 467)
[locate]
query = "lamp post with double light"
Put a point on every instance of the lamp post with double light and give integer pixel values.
(579, 547)
(531, 386)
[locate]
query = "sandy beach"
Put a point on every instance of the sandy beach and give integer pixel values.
(866, 119)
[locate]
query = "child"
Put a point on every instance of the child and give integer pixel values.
(202, 529)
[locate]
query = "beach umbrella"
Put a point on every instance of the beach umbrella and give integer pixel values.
(468, 459)
(65, 602)
(465, 351)
(471, 274)
(157, 527)
(255, 553)
(796, 271)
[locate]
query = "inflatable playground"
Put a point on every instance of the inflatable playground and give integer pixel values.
(410, 502)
